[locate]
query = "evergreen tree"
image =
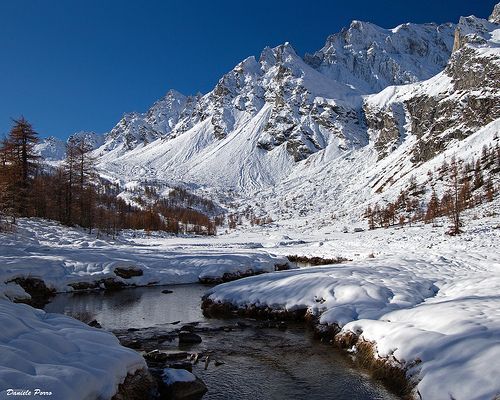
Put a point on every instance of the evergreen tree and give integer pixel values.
(489, 190)
(70, 166)
(478, 175)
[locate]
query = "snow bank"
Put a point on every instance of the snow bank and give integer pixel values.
(339, 294)
(57, 354)
(63, 257)
(456, 335)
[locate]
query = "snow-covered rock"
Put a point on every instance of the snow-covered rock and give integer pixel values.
(182, 384)
(450, 106)
(372, 58)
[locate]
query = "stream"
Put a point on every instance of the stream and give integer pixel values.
(258, 362)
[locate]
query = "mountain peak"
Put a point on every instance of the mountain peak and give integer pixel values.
(248, 65)
(363, 25)
(277, 55)
(172, 93)
(495, 15)
(474, 30)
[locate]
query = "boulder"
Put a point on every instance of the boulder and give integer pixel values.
(281, 267)
(187, 328)
(188, 337)
(94, 324)
(36, 288)
(128, 272)
(111, 284)
(137, 386)
(80, 286)
(179, 384)
(156, 356)
(181, 365)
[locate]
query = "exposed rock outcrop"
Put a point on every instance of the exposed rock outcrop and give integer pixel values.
(495, 15)
(37, 289)
(450, 106)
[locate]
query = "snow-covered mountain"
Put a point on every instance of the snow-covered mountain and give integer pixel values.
(51, 149)
(266, 115)
(54, 149)
(371, 58)
(447, 108)
(412, 129)
(325, 130)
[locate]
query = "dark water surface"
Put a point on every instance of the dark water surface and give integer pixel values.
(259, 363)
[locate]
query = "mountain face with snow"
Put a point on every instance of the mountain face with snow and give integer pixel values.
(372, 105)
(51, 149)
(371, 58)
(450, 106)
(310, 101)
(268, 114)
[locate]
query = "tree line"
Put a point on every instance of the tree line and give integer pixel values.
(74, 194)
(466, 185)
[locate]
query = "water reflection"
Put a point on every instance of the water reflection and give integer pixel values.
(259, 364)
(133, 308)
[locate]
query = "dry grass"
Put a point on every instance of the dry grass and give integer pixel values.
(386, 370)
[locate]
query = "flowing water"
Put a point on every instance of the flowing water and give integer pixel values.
(259, 363)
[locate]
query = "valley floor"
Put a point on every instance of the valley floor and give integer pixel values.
(428, 301)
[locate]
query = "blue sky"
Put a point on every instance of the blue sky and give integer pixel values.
(79, 65)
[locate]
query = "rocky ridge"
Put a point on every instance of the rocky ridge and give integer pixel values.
(319, 124)
(450, 106)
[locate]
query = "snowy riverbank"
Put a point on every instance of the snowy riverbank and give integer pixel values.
(427, 302)
(67, 259)
(57, 357)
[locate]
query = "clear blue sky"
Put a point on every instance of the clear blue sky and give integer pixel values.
(71, 65)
